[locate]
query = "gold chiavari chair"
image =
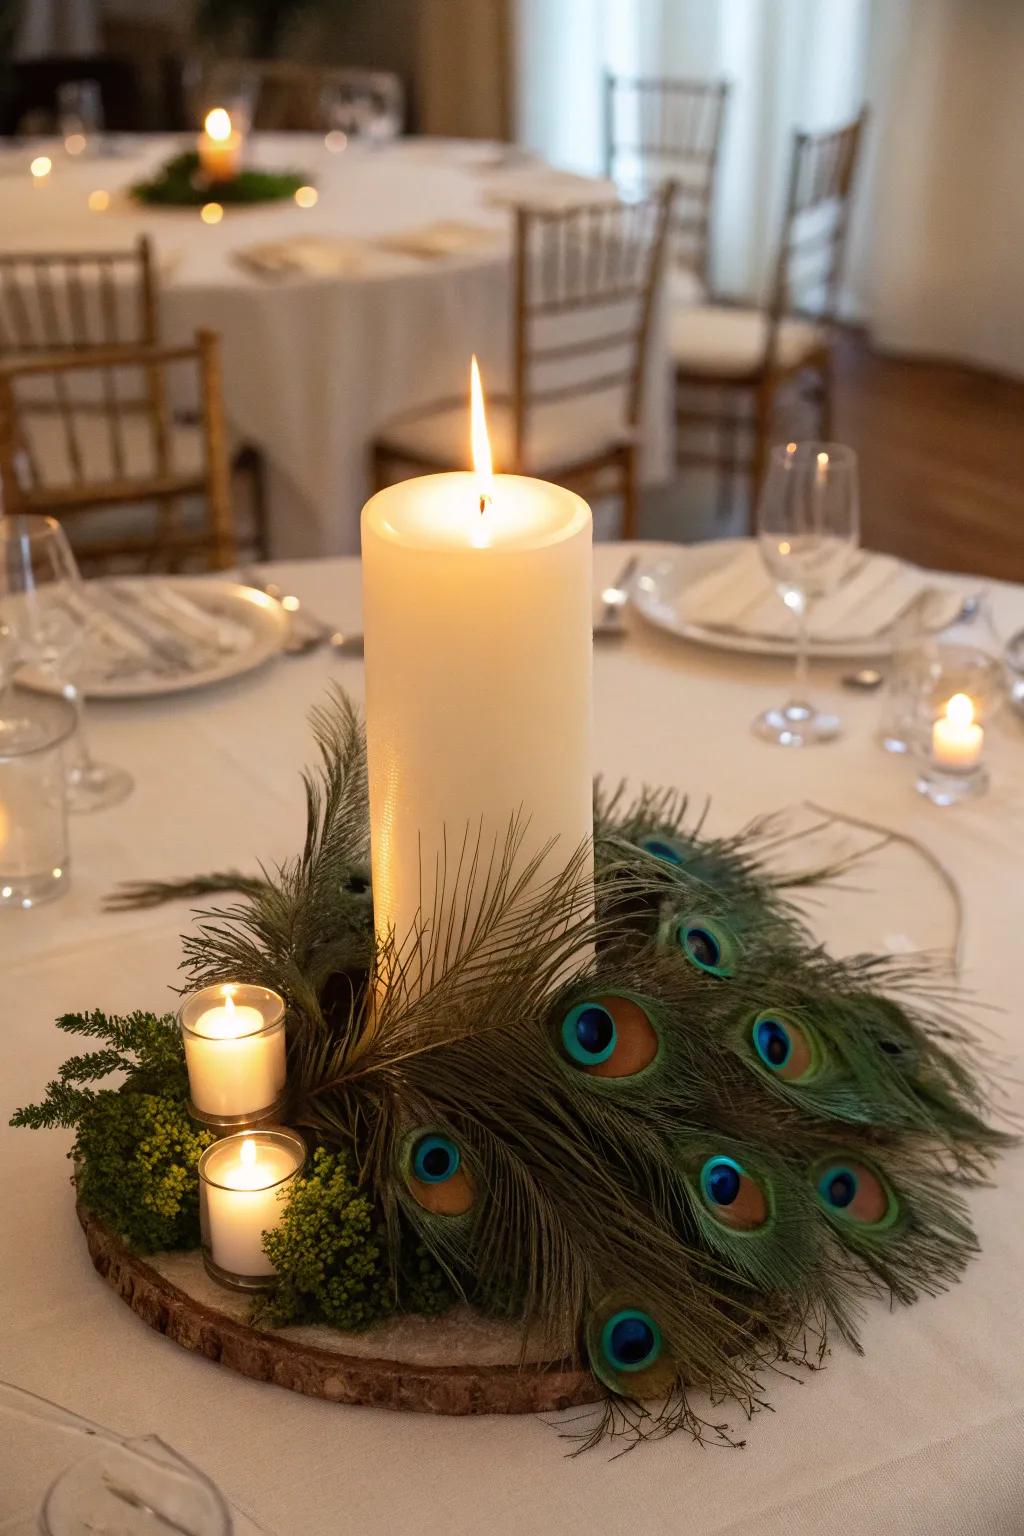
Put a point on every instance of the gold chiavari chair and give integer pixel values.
(584, 290)
(735, 354)
(133, 485)
(94, 301)
(65, 301)
(658, 127)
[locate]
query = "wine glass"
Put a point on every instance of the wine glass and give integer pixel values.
(808, 526)
(43, 604)
(79, 114)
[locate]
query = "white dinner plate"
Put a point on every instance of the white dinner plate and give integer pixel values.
(658, 594)
(262, 617)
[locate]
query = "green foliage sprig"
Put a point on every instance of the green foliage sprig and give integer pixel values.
(330, 1253)
(180, 184)
(136, 1147)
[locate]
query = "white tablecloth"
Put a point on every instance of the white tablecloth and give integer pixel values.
(313, 367)
(924, 1434)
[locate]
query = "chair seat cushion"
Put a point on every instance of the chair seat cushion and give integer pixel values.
(684, 287)
(560, 433)
(716, 341)
(55, 467)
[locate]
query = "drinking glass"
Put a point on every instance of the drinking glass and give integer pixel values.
(33, 805)
(808, 525)
(139, 1486)
(367, 110)
(79, 114)
(42, 601)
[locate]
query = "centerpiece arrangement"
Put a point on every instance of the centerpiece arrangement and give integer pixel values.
(215, 170)
(582, 1069)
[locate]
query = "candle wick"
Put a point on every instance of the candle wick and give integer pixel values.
(485, 502)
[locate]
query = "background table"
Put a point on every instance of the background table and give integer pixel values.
(313, 366)
(923, 1434)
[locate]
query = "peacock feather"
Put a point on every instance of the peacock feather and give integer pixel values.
(641, 1112)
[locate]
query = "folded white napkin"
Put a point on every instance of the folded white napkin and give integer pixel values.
(739, 594)
(546, 188)
(311, 255)
(445, 237)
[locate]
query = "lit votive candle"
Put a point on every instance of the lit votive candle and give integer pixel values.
(243, 1184)
(220, 146)
(234, 1038)
(957, 739)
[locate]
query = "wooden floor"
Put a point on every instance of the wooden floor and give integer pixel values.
(941, 450)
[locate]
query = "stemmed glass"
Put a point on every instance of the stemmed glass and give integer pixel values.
(808, 526)
(44, 606)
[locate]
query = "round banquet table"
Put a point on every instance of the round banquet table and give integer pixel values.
(922, 1436)
(315, 365)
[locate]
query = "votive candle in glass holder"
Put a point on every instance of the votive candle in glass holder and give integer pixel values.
(234, 1038)
(953, 768)
(243, 1183)
(220, 146)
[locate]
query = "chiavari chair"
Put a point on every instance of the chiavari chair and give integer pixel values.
(132, 484)
(735, 355)
(583, 295)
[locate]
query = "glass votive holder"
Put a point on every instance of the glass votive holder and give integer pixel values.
(923, 676)
(234, 1039)
(952, 767)
(33, 803)
(243, 1182)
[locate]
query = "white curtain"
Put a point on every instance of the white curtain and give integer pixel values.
(936, 258)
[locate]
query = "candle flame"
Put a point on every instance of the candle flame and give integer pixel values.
(217, 124)
(247, 1153)
(482, 463)
(822, 460)
(960, 710)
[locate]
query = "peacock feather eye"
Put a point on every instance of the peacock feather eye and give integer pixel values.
(609, 1036)
(588, 1034)
(787, 1049)
(663, 848)
(631, 1340)
(732, 1195)
(436, 1175)
(708, 944)
(626, 1347)
(851, 1191)
(435, 1159)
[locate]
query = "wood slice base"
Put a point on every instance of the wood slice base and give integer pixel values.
(457, 1364)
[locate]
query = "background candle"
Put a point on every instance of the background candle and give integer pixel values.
(234, 1041)
(957, 740)
(220, 146)
(478, 678)
(244, 1180)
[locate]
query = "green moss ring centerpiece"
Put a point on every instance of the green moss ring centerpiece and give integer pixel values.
(182, 184)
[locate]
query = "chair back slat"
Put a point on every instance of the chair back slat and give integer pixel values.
(66, 300)
(99, 451)
(585, 279)
(658, 127)
(821, 180)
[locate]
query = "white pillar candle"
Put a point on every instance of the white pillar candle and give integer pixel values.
(244, 1181)
(220, 146)
(234, 1040)
(957, 740)
(477, 624)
